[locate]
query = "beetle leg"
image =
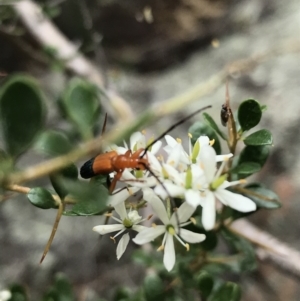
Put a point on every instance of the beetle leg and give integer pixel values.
(117, 177)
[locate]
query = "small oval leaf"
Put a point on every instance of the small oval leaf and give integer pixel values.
(21, 113)
(41, 197)
(53, 143)
(246, 168)
(18, 293)
(249, 114)
(263, 197)
(153, 288)
(63, 286)
(205, 283)
(261, 137)
(255, 154)
(92, 198)
(246, 258)
(82, 106)
(70, 172)
(210, 121)
(229, 291)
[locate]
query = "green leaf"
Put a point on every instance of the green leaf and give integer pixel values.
(41, 197)
(6, 164)
(82, 106)
(200, 129)
(18, 293)
(246, 258)
(261, 137)
(70, 172)
(53, 143)
(153, 288)
(263, 197)
(64, 288)
(255, 154)
(205, 283)
(229, 291)
(122, 293)
(91, 197)
(249, 114)
(246, 168)
(210, 122)
(21, 113)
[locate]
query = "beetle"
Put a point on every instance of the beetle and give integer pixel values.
(106, 163)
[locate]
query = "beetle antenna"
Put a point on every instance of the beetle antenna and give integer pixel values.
(173, 127)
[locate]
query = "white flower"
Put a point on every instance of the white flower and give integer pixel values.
(169, 229)
(5, 295)
(186, 159)
(186, 184)
(121, 196)
(127, 221)
(216, 188)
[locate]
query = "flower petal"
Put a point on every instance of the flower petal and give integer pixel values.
(209, 211)
(235, 200)
(154, 163)
(169, 189)
(174, 155)
(184, 212)
(121, 196)
(155, 147)
(149, 234)
(208, 161)
(193, 198)
(104, 229)
(121, 210)
(122, 245)
(173, 174)
(169, 253)
(191, 237)
(138, 228)
(156, 204)
(137, 140)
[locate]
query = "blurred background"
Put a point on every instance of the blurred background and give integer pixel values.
(149, 51)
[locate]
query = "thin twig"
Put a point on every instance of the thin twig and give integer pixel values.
(269, 248)
(26, 190)
(152, 114)
(48, 36)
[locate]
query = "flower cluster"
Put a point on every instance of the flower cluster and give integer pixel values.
(193, 177)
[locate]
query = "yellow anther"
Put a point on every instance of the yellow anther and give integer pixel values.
(190, 135)
(108, 214)
(178, 140)
(187, 247)
(193, 220)
(172, 162)
(160, 158)
(143, 132)
(161, 248)
(153, 225)
(212, 142)
(243, 181)
(202, 193)
(130, 191)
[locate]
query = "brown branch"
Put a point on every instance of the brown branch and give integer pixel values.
(176, 103)
(48, 36)
(269, 248)
(26, 190)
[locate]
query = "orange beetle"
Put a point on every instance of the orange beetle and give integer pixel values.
(109, 162)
